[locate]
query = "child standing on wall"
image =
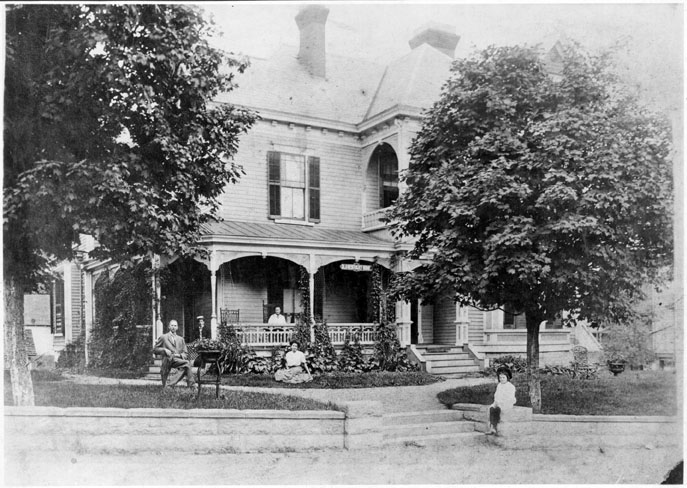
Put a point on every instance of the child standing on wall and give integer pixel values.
(504, 399)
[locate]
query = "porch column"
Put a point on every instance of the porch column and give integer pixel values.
(403, 322)
(462, 322)
(312, 269)
(420, 338)
(88, 309)
(214, 267)
(157, 298)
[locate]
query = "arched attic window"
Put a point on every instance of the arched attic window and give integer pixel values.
(387, 162)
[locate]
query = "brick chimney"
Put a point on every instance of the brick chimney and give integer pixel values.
(311, 20)
(440, 36)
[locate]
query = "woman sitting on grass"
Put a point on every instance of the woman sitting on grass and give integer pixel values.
(504, 399)
(295, 364)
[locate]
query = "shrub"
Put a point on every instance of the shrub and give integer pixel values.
(516, 364)
(322, 356)
(73, 356)
(388, 353)
(629, 342)
(351, 359)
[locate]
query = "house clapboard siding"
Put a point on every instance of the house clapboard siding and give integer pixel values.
(340, 175)
(76, 302)
(427, 312)
(444, 321)
(476, 326)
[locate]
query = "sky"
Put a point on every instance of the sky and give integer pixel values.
(651, 33)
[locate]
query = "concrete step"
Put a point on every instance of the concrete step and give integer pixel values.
(421, 417)
(440, 350)
(439, 356)
(462, 438)
(442, 370)
(450, 361)
(425, 429)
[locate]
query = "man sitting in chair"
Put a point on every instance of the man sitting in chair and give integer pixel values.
(173, 350)
(277, 318)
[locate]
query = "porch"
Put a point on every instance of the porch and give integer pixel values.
(263, 335)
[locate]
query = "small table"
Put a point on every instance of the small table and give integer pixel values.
(209, 357)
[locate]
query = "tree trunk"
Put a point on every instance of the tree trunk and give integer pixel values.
(16, 357)
(533, 382)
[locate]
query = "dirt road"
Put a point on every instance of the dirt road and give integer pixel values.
(392, 465)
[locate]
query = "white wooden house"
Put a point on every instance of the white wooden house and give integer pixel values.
(321, 165)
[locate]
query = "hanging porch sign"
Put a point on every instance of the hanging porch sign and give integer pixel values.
(356, 267)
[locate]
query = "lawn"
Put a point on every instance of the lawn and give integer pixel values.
(62, 393)
(630, 393)
(337, 380)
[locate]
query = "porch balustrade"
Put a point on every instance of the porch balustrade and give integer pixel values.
(519, 336)
(279, 335)
(373, 220)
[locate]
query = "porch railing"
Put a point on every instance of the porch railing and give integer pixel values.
(279, 335)
(519, 336)
(373, 220)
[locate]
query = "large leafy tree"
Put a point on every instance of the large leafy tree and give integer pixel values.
(538, 193)
(109, 131)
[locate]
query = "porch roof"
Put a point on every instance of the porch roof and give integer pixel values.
(242, 231)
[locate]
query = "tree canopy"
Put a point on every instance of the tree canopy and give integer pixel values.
(110, 130)
(535, 192)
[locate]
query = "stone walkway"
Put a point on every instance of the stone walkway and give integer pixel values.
(393, 398)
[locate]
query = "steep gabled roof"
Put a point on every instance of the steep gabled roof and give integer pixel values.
(413, 80)
(353, 90)
(282, 84)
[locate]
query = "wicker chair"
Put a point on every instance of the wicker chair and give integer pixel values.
(228, 316)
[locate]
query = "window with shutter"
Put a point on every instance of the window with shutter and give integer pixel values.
(290, 187)
(314, 187)
(274, 179)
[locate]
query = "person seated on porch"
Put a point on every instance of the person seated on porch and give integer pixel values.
(277, 318)
(173, 350)
(504, 399)
(295, 366)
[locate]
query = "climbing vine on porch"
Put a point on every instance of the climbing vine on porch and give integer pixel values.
(388, 353)
(122, 303)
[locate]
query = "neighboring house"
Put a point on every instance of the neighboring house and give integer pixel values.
(321, 166)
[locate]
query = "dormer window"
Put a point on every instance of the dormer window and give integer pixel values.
(294, 186)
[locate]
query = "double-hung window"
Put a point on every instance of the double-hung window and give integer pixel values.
(294, 186)
(388, 180)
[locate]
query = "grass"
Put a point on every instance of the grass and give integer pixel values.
(55, 392)
(337, 380)
(630, 393)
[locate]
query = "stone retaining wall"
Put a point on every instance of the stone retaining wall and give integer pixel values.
(521, 429)
(35, 429)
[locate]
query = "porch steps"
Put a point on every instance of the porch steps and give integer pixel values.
(427, 427)
(448, 360)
